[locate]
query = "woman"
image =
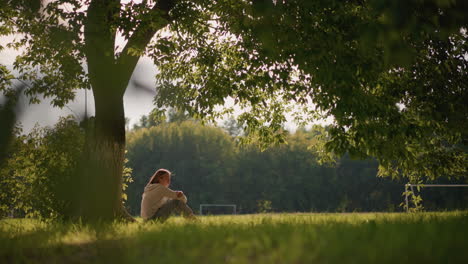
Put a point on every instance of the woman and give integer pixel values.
(159, 202)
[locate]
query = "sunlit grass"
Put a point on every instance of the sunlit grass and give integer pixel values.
(261, 238)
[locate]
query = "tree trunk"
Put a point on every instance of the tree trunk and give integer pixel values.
(106, 151)
(100, 195)
(100, 198)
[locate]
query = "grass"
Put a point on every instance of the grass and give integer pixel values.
(261, 238)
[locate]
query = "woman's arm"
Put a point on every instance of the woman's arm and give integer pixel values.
(178, 195)
(168, 192)
(183, 198)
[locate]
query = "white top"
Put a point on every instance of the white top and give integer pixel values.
(155, 196)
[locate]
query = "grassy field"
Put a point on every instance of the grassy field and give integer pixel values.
(261, 238)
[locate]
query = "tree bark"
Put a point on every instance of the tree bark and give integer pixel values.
(105, 155)
(100, 186)
(100, 195)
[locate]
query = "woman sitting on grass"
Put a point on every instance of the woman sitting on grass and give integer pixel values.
(159, 202)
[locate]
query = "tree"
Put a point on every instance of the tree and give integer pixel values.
(176, 115)
(154, 118)
(160, 116)
(264, 54)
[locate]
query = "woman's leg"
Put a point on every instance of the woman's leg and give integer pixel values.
(172, 206)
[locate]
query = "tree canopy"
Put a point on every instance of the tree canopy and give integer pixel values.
(392, 74)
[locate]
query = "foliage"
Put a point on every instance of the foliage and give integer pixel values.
(126, 180)
(154, 118)
(38, 175)
(262, 238)
(394, 83)
(264, 206)
(39, 165)
(415, 200)
(53, 52)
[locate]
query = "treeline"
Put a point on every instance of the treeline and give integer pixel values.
(212, 168)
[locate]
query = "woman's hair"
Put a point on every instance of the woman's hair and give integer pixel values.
(158, 175)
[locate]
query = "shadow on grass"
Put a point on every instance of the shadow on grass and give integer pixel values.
(324, 239)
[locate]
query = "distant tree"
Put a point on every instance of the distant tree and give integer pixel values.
(176, 115)
(154, 118)
(232, 127)
(157, 117)
(202, 158)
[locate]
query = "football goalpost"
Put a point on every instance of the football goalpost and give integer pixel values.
(410, 186)
(233, 206)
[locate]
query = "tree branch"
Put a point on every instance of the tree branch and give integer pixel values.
(100, 39)
(142, 36)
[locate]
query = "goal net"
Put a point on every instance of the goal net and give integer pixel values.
(437, 196)
(217, 209)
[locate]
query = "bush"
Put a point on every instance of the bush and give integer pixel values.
(39, 170)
